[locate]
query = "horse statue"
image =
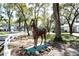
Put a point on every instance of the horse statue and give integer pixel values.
(38, 32)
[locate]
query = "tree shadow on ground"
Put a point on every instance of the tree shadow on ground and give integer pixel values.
(68, 49)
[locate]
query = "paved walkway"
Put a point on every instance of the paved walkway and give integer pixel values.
(75, 34)
(2, 37)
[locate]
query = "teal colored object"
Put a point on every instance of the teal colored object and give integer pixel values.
(38, 48)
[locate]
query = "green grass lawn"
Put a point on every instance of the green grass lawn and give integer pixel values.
(3, 32)
(65, 36)
(50, 36)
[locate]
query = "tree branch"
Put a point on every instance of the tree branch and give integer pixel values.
(74, 18)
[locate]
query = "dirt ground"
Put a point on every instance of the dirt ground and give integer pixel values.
(58, 49)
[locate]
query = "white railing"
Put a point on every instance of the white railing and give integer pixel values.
(7, 41)
(7, 51)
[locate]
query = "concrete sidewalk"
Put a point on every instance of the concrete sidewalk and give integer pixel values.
(2, 37)
(76, 34)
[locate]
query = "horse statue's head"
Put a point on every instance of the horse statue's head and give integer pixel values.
(33, 23)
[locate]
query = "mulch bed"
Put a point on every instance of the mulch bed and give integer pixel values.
(17, 48)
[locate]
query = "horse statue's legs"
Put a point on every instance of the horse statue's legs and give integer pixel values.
(45, 38)
(41, 39)
(35, 42)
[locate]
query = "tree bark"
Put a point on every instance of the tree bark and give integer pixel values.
(9, 25)
(48, 29)
(70, 28)
(25, 25)
(57, 22)
(19, 24)
(35, 15)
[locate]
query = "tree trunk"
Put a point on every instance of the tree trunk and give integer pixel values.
(48, 29)
(25, 25)
(71, 31)
(9, 25)
(36, 21)
(57, 22)
(28, 30)
(35, 16)
(19, 24)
